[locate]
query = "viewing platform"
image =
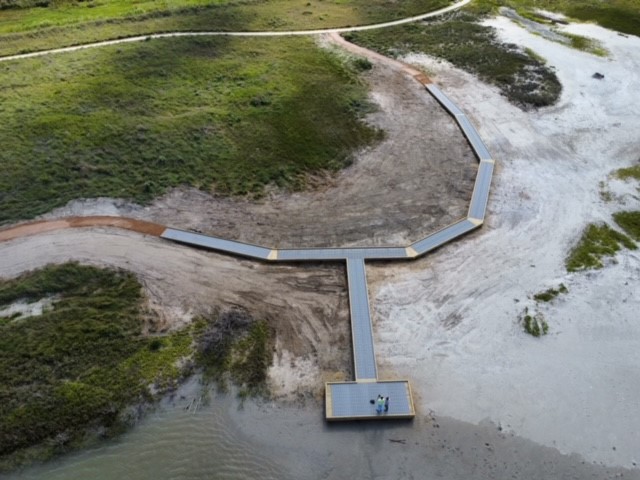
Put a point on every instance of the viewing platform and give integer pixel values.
(353, 400)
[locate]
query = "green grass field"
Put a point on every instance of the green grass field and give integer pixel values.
(76, 367)
(597, 242)
(71, 23)
(132, 121)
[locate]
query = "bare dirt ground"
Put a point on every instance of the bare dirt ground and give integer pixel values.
(450, 322)
(418, 180)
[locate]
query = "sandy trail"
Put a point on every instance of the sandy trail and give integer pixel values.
(42, 226)
(449, 322)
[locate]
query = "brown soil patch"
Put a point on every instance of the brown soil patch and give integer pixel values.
(34, 228)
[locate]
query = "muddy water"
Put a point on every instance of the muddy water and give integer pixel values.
(222, 440)
(170, 443)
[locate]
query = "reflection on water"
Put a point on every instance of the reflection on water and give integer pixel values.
(172, 443)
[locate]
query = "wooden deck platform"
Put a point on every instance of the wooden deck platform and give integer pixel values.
(352, 400)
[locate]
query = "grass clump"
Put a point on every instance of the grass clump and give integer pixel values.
(629, 222)
(236, 347)
(522, 77)
(596, 242)
(76, 368)
(629, 173)
(132, 121)
(535, 325)
(550, 293)
(620, 15)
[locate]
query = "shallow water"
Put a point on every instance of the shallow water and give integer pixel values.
(223, 440)
(171, 443)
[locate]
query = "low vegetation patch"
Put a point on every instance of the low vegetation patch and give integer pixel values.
(522, 77)
(71, 373)
(629, 173)
(534, 325)
(586, 44)
(597, 241)
(629, 222)
(550, 293)
(132, 121)
(235, 347)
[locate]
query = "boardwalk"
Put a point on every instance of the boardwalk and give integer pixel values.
(344, 400)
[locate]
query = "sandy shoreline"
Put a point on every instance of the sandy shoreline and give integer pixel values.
(458, 338)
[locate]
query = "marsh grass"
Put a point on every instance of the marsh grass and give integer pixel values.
(597, 241)
(72, 23)
(629, 222)
(551, 293)
(535, 325)
(78, 367)
(132, 121)
(628, 173)
(521, 76)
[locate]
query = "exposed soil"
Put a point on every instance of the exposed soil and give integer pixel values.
(307, 306)
(42, 226)
(417, 180)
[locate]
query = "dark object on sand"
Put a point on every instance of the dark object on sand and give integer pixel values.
(598, 75)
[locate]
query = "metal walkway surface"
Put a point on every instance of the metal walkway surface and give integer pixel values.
(351, 400)
(364, 358)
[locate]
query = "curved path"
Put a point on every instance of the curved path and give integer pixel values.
(141, 38)
(344, 400)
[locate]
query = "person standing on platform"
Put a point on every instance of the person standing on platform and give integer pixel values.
(380, 404)
(386, 405)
